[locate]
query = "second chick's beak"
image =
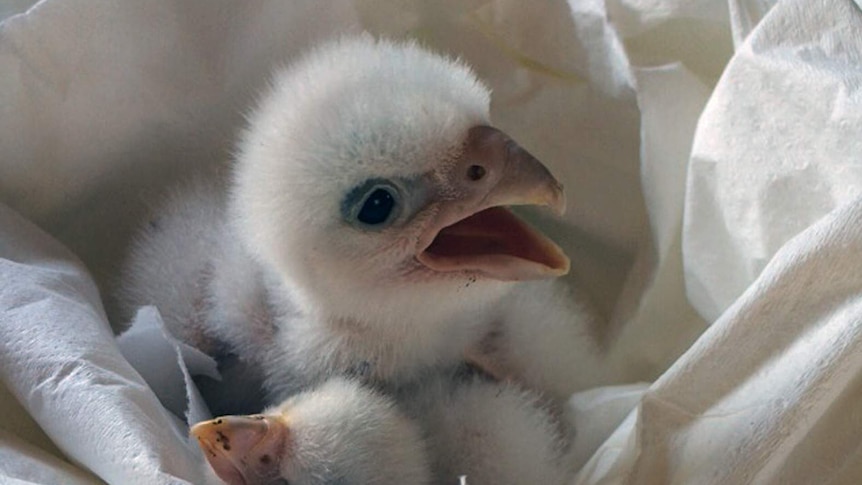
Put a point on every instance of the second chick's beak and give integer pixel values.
(473, 231)
(243, 450)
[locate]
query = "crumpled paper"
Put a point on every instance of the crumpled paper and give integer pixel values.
(708, 149)
(755, 185)
(168, 366)
(59, 359)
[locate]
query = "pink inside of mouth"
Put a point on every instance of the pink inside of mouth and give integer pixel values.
(496, 242)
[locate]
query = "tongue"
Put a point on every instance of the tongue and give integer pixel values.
(496, 243)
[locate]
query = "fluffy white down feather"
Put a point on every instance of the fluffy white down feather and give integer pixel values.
(490, 433)
(348, 434)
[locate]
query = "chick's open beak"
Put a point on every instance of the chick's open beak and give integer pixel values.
(473, 230)
(243, 450)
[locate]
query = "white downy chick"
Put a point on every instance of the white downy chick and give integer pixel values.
(365, 232)
(340, 433)
(489, 433)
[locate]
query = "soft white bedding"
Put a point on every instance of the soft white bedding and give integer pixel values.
(712, 154)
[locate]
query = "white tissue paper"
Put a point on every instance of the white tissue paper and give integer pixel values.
(167, 365)
(60, 361)
(712, 154)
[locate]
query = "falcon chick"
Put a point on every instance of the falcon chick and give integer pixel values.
(364, 232)
(340, 432)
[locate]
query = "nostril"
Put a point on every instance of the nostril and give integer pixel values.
(475, 172)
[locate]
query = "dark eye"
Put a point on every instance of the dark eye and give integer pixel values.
(377, 207)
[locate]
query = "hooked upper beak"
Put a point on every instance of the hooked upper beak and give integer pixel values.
(472, 231)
